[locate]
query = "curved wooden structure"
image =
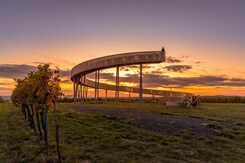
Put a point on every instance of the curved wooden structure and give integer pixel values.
(117, 60)
(79, 72)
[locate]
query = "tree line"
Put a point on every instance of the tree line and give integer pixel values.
(222, 99)
(34, 95)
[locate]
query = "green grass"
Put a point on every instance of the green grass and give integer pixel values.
(96, 137)
(18, 143)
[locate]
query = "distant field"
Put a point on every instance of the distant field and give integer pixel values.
(101, 136)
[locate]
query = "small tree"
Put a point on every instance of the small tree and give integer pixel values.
(38, 91)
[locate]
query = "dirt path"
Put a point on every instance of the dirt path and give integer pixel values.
(163, 123)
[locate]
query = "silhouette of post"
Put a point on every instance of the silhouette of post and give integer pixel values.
(98, 84)
(78, 89)
(86, 94)
(83, 91)
(75, 89)
(117, 85)
(81, 87)
(140, 91)
(95, 87)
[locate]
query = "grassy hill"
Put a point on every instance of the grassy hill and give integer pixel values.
(99, 137)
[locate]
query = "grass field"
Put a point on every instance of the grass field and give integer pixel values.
(96, 137)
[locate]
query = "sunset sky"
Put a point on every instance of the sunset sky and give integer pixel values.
(204, 41)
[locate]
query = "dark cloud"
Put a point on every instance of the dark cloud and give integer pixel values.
(153, 80)
(5, 89)
(66, 81)
(1, 83)
(65, 73)
(184, 56)
(208, 81)
(41, 63)
(197, 81)
(108, 76)
(157, 71)
(132, 78)
(127, 68)
(237, 79)
(198, 62)
(123, 68)
(149, 79)
(177, 68)
(172, 60)
(20, 71)
(146, 66)
(15, 71)
(103, 75)
(132, 66)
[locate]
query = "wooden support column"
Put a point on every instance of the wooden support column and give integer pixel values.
(83, 92)
(95, 87)
(81, 87)
(76, 88)
(74, 91)
(86, 92)
(140, 91)
(117, 85)
(98, 85)
(78, 91)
